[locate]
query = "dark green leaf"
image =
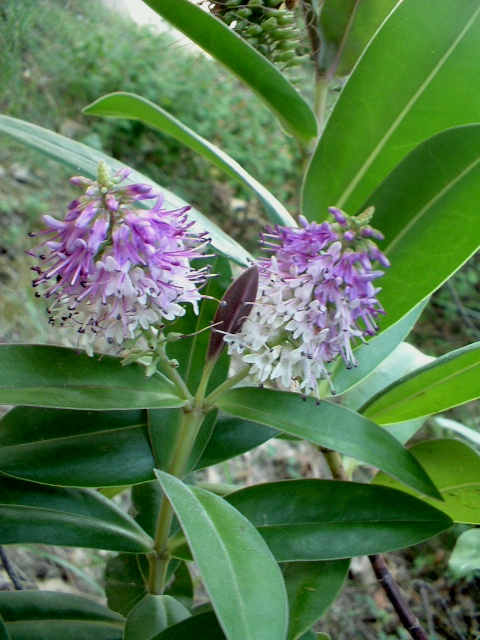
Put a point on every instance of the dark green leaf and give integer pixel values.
(455, 469)
(42, 615)
(133, 107)
(202, 625)
(427, 208)
(32, 512)
(329, 425)
(311, 589)
(328, 519)
(124, 584)
(4, 635)
(76, 448)
(238, 570)
(214, 37)
(152, 615)
(415, 79)
(84, 159)
(48, 376)
(447, 382)
(231, 437)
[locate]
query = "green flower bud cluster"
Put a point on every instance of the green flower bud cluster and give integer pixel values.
(270, 26)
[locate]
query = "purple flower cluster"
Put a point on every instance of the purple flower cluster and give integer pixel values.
(316, 299)
(113, 268)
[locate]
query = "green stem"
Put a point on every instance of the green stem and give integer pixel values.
(171, 372)
(225, 386)
(320, 101)
(191, 420)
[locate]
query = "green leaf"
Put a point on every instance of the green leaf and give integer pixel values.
(427, 209)
(76, 448)
(48, 376)
(465, 558)
(241, 576)
(455, 469)
(214, 37)
(152, 615)
(416, 78)
(133, 107)
(328, 425)
(231, 437)
(448, 382)
(124, 584)
(404, 359)
(374, 352)
(328, 519)
(4, 635)
(38, 615)
(38, 513)
(311, 589)
(348, 26)
(85, 159)
(202, 625)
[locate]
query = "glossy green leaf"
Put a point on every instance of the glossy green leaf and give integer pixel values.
(38, 615)
(84, 159)
(311, 589)
(152, 615)
(348, 26)
(370, 355)
(416, 78)
(328, 425)
(76, 448)
(455, 469)
(133, 107)
(240, 574)
(48, 376)
(404, 359)
(124, 584)
(231, 437)
(38, 513)
(427, 208)
(328, 519)
(202, 625)
(4, 635)
(214, 37)
(448, 382)
(465, 558)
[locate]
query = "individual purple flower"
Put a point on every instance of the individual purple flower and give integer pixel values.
(113, 268)
(316, 300)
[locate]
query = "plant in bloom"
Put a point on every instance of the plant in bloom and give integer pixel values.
(113, 268)
(316, 300)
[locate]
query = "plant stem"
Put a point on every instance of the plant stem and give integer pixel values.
(225, 386)
(191, 420)
(382, 572)
(387, 581)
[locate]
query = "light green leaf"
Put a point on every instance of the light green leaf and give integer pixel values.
(448, 382)
(374, 352)
(84, 159)
(38, 615)
(152, 615)
(455, 469)
(133, 107)
(465, 558)
(49, 376)
(38, 513)
(214, 37)
(427, 208)
(327, 519)
(311, 589)
(240, 574)
(328, 425)
(76, 448)
(416, 78)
